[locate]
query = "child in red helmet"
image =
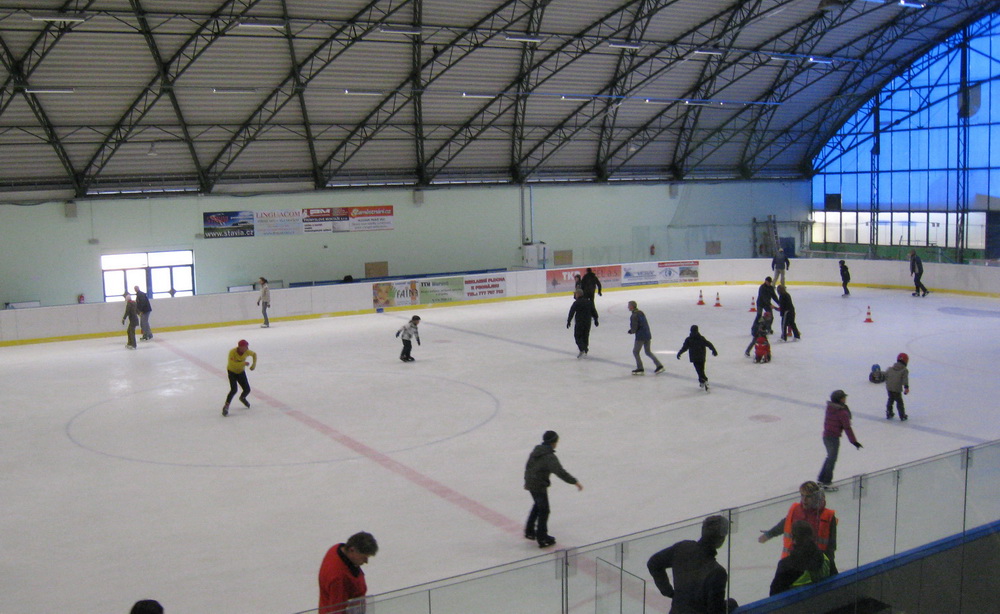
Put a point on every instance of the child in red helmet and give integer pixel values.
(897, 383)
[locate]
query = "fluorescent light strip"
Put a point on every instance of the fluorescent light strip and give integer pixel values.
(405, 30)
(576, 98)
(262, 23)
(911, 5)
(362, 92)
(708, 51)
(522, 38)
(625, 45)
(468, 95)
(56, 16)
(49, 90)
(819, 60)
(234, 90)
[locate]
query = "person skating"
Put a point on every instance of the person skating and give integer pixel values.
(696, 345)
(542, 462)
(897, 383)
(765, 296)
(236, 369)
(132, 315)
(845, 277)
(780, 264)
(917, 271)
(264, 300)
(144, 308)
(590, 283)
(584, 311)
(761, 327)
(408, 332)
(836, 422)
(639, 327)
(787, 308)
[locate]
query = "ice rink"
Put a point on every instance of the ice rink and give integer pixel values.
(121, 479)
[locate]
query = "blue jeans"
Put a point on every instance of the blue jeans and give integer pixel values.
(832, 450)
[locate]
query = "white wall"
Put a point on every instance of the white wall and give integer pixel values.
(18, 325)
(47, 257)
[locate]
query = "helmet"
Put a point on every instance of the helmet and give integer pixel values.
(903, 358)
(876, 368)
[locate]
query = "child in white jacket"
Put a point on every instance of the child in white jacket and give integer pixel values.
(409, 331)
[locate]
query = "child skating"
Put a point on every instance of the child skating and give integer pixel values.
(236, 369)
(696, 345)
(408, 332)
(897, 383)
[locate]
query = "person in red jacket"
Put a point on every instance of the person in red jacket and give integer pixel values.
(838, 420)
(340, 575)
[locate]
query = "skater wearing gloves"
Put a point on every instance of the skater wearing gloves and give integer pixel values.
(639, 327)
(811, 508)
(408, 332)
(584, 311)
(696, 345)
(236, 369)
(897, 383)
(765, 294)
(837, 421)
(845, 277)
(541, 463)
(132, 315)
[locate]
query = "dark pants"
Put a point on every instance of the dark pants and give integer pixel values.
(898, 398)
(538, 519)
(846, 291)
(234, 379)
(918, 284)
(130, 330)
(147, 332)
(407, 347)
(699, 367)
(832, 450)
(788, 321)
(581, 333)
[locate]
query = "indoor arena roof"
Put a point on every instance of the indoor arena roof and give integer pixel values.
(107, 97)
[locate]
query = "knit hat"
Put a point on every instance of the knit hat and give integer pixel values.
(715, 527)
(550, 437)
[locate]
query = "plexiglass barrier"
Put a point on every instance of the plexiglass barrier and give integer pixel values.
(879, 515)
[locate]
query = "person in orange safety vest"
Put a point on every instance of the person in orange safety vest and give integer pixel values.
(811, 508)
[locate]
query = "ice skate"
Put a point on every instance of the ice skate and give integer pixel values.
(547, 541)
(828, 487)
(659, 369)
(245, 402)
(903, 418)
(529, 534)
(580, 355)
(888, 415)
(225, 410)
(638, 372)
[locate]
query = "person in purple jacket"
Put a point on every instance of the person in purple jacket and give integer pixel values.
(838, 420)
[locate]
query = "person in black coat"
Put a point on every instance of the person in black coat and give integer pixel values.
(845, 277)
(765, 294)
(787, 313)
(541, 464)
(584, 311)
(699, 580)
(696, 345)
(590, 283)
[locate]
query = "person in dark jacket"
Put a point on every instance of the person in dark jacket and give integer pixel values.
(897, 383)
(144, 309)
(132, 315)
(787, 313)
(639, 326)
(845, 277)
(696, 345)
(917, 271)
(699, 580)
(806, 563)
(765, 294)
(836, 422)
(584, 311)
(590, 283)
(542, 462)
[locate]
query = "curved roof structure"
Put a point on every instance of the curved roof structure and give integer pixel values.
(104, 97)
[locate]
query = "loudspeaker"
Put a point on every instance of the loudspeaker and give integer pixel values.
(418, 197)
(69, 208)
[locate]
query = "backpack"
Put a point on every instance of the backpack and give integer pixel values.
(876, 376)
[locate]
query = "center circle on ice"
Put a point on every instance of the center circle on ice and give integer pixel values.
(337, 420)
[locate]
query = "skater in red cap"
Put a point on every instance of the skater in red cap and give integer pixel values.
(236, 370)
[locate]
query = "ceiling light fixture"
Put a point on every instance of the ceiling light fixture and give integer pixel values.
(829, 5)
(819, 60)
(262, 23)
(404, 30)
(575, 98)
(49, 90)
(625, 45)
(234, 90)
(710, 51)
(56, 16)
(468, 95)
(912, 5)
(522, 38)
(152, 150)
(362, 92)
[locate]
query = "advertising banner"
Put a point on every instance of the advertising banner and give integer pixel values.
(486, 286)
(223, 224)
(395, 294)
(326, 219)
(648, 273)
(564, 280)
(273, 223)
(371, 218)
(441, 290)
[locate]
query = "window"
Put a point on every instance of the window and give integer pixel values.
(161, 274)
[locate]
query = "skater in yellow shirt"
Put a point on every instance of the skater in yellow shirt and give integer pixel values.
(237, 373)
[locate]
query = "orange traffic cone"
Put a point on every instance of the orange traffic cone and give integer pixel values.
(753, 305)
(868, 318)
(717, 303)
(701, 299)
